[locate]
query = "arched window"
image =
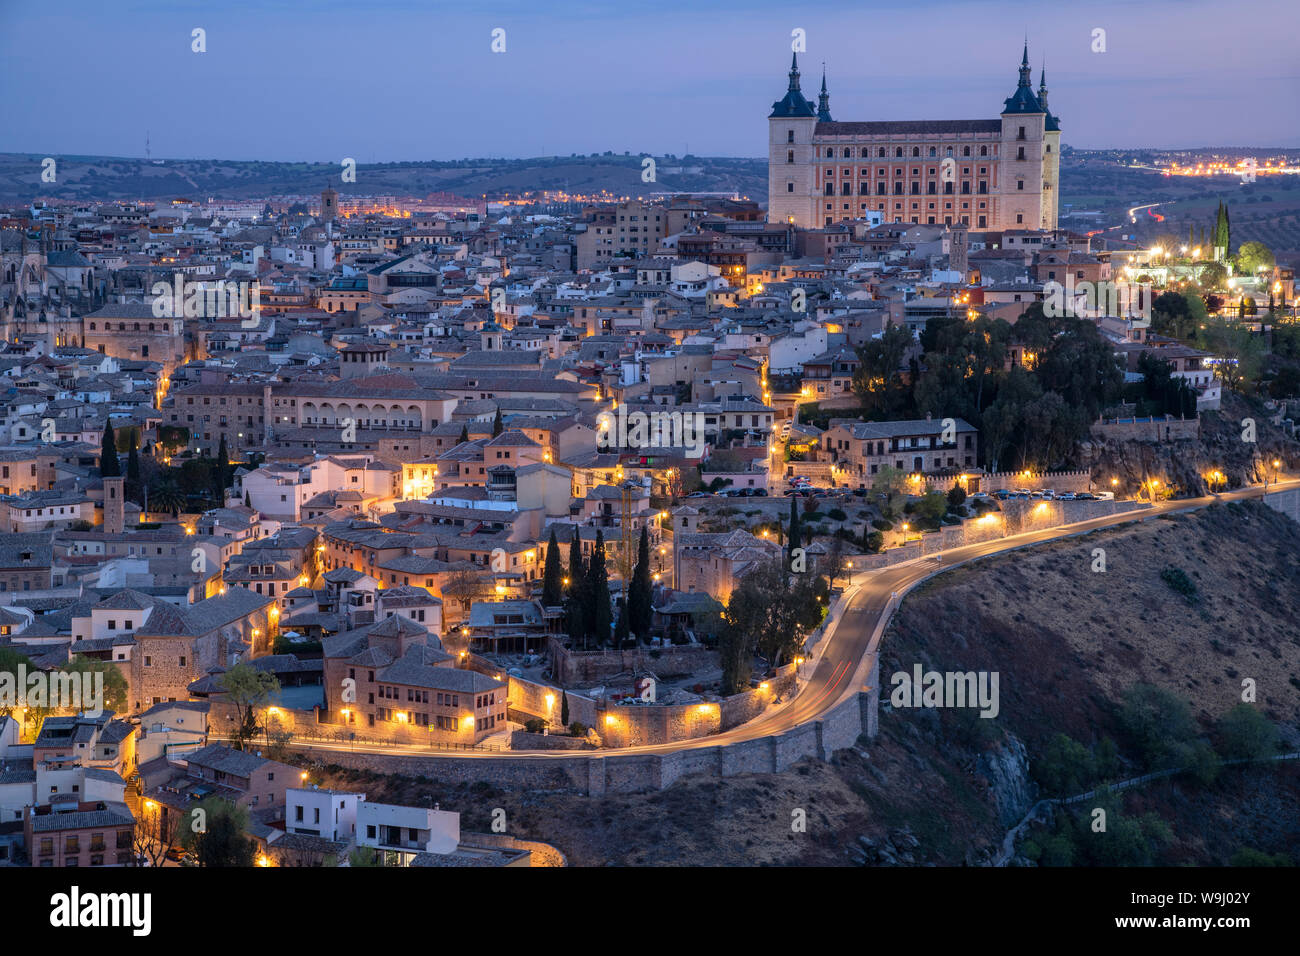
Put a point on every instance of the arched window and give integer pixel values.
(898, 152)
(864, 152)
(984, 150)
(847, 152)
(916, 151)
(881, 154)
(830, 153)
(965, 150)
(933, 153)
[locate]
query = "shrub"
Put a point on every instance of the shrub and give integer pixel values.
(880, 524)
(577, 729)
(874, 542)
(836, 514)
(534, 725)
(1178, 580)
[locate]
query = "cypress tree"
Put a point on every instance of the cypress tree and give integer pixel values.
(640, 608)
(576, 618)
(464, 434)
(600, 614)
(621, 628)
(552, 576)
(497, 424)
(223, 457)
(795, 541)
(564, 708)
(133, 470)
(109, 466)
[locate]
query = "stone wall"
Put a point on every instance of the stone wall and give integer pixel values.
(575, 668)
(745, 706)
(523, 740)
(1016, 517)
(1148, 429)
(1287, 502)
(532, 699)
(542, 854)
(636, 725)
(1060, 481)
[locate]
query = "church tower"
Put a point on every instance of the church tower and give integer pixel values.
(791, 170)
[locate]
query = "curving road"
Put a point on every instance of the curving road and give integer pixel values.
(844, 665)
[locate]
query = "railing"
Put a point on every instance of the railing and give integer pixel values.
(353, 740)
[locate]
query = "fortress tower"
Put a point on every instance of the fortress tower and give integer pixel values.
(988, 174)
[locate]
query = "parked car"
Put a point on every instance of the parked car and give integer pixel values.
(1002, 494)
(1068, 496)
(1086, 496)
(760, 492)
(1049, 492)
(979, 495)
(699, 494)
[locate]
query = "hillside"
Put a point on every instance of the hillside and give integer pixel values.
(943, 786)
(121, 178)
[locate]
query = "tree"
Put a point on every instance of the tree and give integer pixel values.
(497, 424)
(834, 565)
(109, 466)
(464, 434)
(134, 488)
(552, 576)
(880, 381)
(221, 841)
(364, 856)
(1212, 275)
(621, 629)
(795, 540)
(956, 497)
(1245, 733)
(576, 604)
(599, 612)
(640, 605)
(247, 688)
(467, 586)
(564, 708)
(157, 830)
(892, 483)
(1251, 256)
(168, 497)
(222, 470)
(1159, 726)
(115, 685)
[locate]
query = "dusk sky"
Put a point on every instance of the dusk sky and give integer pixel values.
(391, 80)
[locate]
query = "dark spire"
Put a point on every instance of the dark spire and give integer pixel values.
(1024, 67)
(824, 100)
(793, 105)
(1042, 89)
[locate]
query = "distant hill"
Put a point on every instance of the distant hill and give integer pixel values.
(117, 178)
